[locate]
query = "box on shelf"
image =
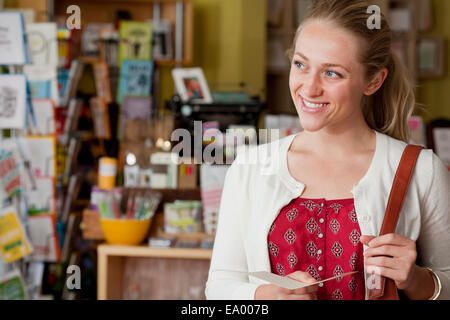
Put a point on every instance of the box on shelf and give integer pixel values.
(183, 217)
(187, 174)
(90, 225)
(164, 166)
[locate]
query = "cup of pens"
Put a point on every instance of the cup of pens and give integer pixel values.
(129, 226)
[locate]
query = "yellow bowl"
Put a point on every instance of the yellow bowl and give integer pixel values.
(125, 232)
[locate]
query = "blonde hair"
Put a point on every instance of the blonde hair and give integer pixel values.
(389, 109)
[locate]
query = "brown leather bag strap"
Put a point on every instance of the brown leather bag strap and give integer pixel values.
(399, 188)
(387, 290)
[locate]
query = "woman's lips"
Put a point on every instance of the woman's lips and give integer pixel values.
(310, 108)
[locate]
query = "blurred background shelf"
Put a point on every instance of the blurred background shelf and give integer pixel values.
(142, 272)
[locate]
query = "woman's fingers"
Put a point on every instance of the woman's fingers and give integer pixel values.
(390, 239)
(365, 239)
(303, 277)
(383, 262)
(387, 250)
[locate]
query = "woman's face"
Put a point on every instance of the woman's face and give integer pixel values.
(326, 78)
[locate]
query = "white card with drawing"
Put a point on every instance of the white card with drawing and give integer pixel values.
(42, 43)
(13, 101)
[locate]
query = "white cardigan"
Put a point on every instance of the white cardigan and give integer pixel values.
(258, 185)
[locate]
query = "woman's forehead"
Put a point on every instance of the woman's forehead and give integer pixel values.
(320, 41)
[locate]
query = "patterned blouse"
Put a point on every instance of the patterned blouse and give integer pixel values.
(320, 237)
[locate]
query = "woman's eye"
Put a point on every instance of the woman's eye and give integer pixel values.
(299, 64)
(333, 74)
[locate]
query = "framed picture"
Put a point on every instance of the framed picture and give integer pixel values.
(191, 85)
(430, 55)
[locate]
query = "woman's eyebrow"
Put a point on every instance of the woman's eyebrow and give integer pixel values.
(324, 64)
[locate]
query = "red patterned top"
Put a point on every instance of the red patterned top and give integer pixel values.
(320, 237)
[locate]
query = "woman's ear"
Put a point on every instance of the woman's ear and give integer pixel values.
(377, 82)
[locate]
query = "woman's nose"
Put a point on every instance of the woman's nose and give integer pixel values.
(312, 87)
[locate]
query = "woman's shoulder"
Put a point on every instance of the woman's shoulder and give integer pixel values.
(428, 163)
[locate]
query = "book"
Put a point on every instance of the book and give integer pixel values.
(45, 118)
(14, 242)
(63, 36)
(43, 237)
(13, 47)
(135, 41)
(12, 286)
(73, 117)
(109, 45)
(73, 190)
(72, 231)
(75, 72)
(134, 108)
(90, 38)
(42, 43)
(162, 39)
(100, 115)
(102, 81)
(72, 156)
(63, 78)
(135, 79)
(13, 101)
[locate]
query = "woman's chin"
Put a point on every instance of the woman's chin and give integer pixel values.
(312, 126)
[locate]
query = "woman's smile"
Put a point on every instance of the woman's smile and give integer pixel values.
(312, 107)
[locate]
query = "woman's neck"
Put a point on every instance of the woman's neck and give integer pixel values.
(338, 143)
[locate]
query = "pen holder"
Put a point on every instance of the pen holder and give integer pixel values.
(125, 232)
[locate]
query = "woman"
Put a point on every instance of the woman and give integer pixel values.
(317, 211)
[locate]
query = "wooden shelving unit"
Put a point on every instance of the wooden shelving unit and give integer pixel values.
(142, 272)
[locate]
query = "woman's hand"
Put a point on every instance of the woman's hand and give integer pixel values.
(274, 292)
(394, 256)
